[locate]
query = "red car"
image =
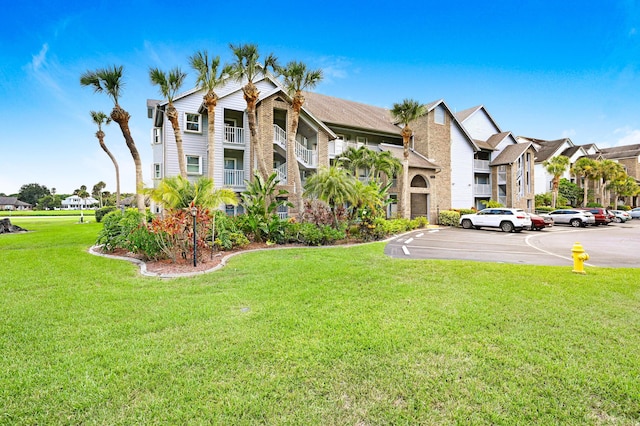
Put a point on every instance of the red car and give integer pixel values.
(540, 222)
(603, 216)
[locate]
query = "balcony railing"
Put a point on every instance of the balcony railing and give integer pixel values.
(281, 171)
(307, 156)
(481, 189)
(481, 165)
(234, 135)
(338, 146)
(233, 177)
(279, 136)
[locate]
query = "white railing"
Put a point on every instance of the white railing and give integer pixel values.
(234, 135)
(279, 136)
(481, 164)
(281, 171)
(338, 146)
(482, 189)
(283, 215)
(307, 156)
(233, 177)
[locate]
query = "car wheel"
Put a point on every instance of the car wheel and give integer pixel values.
(506, 226)
(619, 220)
(576, 223)
(466, 224)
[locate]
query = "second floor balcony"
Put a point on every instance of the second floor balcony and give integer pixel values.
(234, 178)
(482, 190)
(234, 135)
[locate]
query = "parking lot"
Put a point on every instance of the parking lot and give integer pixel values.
(615, 245)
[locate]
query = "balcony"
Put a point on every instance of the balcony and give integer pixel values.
(481, 165)
(234, 135)
(233, 177)
(281, 172)
(481, 190)
(279, 136)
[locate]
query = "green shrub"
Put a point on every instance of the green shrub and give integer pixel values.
(311, 234)
(124, 231)
(449, 218)
(466, 211)
(592, 204)
(544, 209)
(419, 222)
(100, 213)
(227, 240)
(624, 208)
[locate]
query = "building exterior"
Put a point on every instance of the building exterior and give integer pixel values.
(75, 202)
(12, 203)
(456, 160)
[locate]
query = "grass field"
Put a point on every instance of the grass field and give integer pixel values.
(21, 213)
(310, 336)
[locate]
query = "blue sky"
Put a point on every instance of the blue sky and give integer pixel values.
(545, 69)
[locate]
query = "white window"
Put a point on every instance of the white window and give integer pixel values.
(193, 122)
(194, 165)
(229, 163)
(157, 171)
(438, 116)
(361, 140)
(156, 135)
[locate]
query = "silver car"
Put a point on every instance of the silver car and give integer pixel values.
(573, 217)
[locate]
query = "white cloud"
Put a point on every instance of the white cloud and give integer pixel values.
(626, 136)
(38, 60)
(43, 70)
(334, 68)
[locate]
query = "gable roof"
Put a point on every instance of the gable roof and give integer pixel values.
(569, 152)
(511, 153)
(617, 152)
(13, 201)
(341, 112)
(548, 149)
(464, 115)
(416, 159)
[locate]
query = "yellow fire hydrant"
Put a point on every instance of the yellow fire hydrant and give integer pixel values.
(579, 257)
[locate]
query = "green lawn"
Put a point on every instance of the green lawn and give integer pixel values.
(310, 336)
(20, 213)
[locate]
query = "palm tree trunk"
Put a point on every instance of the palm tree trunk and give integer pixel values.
(586, 192)
(115, 164)
(121, 117)
(298, 101)
(172, 115)
(211, 100)
(251, 97)
(406, 202)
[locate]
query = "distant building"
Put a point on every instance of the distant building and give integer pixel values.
(75, 202)
(12, 203)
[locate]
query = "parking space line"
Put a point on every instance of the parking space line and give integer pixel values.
(405, 250)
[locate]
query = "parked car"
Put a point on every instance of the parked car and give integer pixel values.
(539, 222)
(508, 220)
(573, 217)
(620, 216)
(635, 213)
(602, 216)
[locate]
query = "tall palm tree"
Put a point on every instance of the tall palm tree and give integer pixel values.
(608, 170)
(246, 66)
(209, 78)
(406, 112)
(583, 169)
(623, 185)
(109, 81)
(99, 118)
(333, 185)
(84, 194)
(297, 78)
(169, 85)
(96, 192)
(556, 166)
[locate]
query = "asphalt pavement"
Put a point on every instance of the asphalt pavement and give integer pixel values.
(615, 245)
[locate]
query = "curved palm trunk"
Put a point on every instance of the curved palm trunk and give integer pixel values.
(121, 117)
(585, 192)
(298, 101)
(100, 136)
(554, 192)
(172, 115)
(210, 100)
(251, 95)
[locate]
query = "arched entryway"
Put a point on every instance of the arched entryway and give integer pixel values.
(420, 196)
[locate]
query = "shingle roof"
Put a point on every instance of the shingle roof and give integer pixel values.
(627, 151)
(338, 112)
(415, 159)
(547, 148)
(571, 150)
(464, 114)
(510, 154)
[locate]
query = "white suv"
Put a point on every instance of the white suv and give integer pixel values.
(508, 220)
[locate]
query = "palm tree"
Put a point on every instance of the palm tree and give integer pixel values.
(109, 81)
(624, 185)
(82, 193)
(169, 85)
(556, 166)
(333, 185)
(247, 67)
(608, 170)
(99, 118)
(209, 78)
(406, 112)
(377, 163)
(177, 192)
(297, 78)
(96, 192)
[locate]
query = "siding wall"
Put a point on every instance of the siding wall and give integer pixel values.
(461, 170)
